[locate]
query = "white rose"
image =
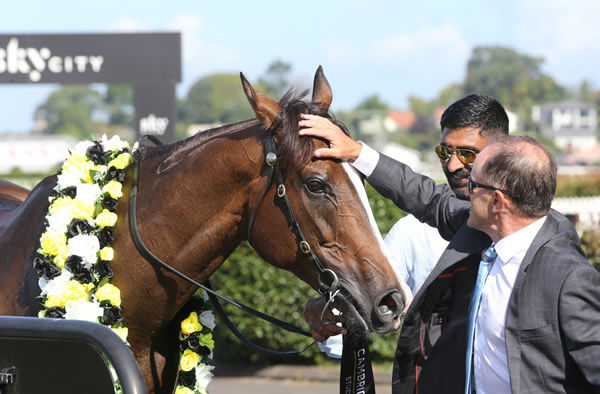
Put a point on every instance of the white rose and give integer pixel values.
(84, 246)
(59, 221)
(113, 144)
(207, 318)
(203, 376)
(67, 179)
(88, 193)
(83, 310)
(82, 147)
(56, 285)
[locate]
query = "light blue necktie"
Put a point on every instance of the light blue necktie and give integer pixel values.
(487, 260)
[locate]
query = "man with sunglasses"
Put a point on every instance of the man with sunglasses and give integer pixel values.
(532, 325)
(467, 126)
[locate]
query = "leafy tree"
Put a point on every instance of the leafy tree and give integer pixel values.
(450, 94)
(216, 98)
(373, 102)
(69, 110)
(118, 101)
(276, 79)
(516, 80)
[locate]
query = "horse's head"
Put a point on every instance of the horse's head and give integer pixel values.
(329, 203)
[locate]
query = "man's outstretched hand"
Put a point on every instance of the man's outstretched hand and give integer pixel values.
(312, 315)
(341, 146)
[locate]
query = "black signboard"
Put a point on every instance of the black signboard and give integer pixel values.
(151, 62)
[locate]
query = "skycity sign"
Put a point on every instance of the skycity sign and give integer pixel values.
(35, 61)
(151, 62)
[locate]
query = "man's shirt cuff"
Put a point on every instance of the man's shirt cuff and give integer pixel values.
(367, 160)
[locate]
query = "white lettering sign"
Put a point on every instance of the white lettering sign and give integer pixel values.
(34, 61)
(153, 125)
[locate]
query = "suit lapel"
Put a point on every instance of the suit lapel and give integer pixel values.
(466, 241)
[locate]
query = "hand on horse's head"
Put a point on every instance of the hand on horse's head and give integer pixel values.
(341, 146)
(319, 329)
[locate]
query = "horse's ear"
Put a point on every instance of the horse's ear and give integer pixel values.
(321, 90)
(265, 108)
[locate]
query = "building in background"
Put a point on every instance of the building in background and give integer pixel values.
(570, 124)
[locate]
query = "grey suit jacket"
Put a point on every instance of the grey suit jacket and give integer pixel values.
(553, 318)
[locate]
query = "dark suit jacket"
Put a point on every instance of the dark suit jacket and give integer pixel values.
(553, 317)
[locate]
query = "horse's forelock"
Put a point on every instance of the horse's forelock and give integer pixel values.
(296, 151)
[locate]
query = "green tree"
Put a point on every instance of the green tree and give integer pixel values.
(276, 79)
(118, 100)
(69, 110)
(373, 102)
(216, 98)
(516, 80)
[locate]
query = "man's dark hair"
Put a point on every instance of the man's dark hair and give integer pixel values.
(476, 110)
(525, 168)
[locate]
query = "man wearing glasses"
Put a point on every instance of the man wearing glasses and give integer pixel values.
(522, 316)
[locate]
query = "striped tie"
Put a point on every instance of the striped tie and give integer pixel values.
(487, 260)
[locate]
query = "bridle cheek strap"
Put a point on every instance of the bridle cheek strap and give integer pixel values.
(328, 280)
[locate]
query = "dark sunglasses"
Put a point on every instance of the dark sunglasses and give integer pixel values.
(471, 184)
(466, 156)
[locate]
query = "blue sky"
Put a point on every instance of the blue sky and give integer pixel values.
(391, 48)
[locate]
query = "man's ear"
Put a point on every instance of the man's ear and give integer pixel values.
(502, 202)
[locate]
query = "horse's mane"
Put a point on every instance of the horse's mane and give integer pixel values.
(293, 150)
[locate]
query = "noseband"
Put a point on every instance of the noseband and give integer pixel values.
(328, 280)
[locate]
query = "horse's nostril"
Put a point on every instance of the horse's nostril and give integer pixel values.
(388, 305)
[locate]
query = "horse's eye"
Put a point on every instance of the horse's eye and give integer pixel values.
(316, 186)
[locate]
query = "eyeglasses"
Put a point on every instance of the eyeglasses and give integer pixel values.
(466, 156)
(471, 184)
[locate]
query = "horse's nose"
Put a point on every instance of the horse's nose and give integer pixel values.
(389, 308)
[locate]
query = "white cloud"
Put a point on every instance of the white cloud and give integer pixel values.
(565, 33)
(438, 41)
(201, 54)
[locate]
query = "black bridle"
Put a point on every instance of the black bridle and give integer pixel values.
(327, 288)
(328, 281)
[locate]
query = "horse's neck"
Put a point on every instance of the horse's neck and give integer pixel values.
(193, 202)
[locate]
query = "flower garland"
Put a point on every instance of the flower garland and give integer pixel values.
(196, 342)
(73, 260)
(74, 256)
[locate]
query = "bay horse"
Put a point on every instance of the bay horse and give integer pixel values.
(197, 200)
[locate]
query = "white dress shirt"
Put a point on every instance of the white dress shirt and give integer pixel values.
(489, 350)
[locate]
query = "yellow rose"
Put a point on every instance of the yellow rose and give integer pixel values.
(75, 291)
(83, 211)
(122, 332)
(189, 360)
(109, 292)
(113, 188)
(207, 340)
(55, 300)
(107, 253)
(61, 256)
(120, 162)
(190, 324)
(183, 390)
(106, 218)
(61, 205)
(73, 163)
(53, 242)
